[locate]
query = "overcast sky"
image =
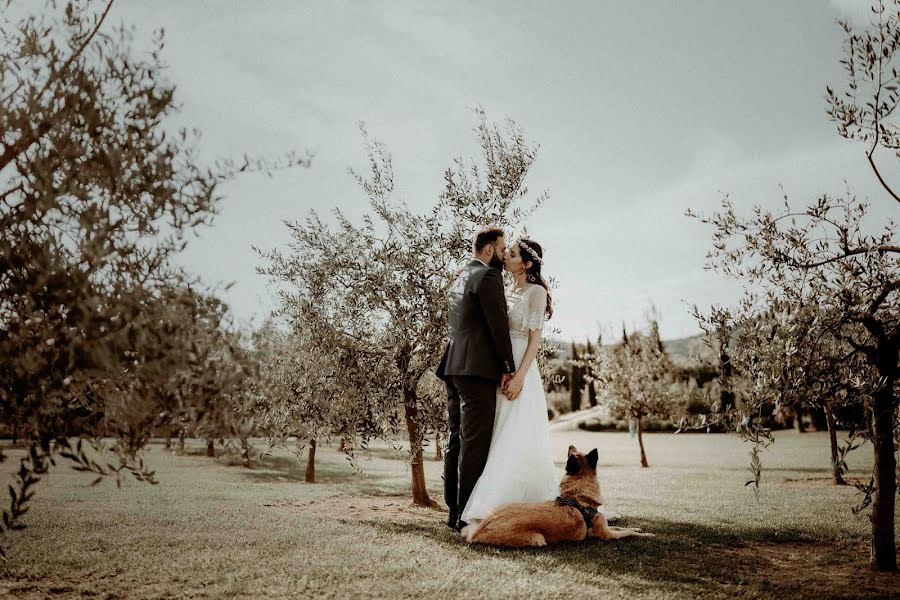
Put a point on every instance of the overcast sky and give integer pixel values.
(641, 110)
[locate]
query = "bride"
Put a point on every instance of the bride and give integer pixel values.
(520, 460)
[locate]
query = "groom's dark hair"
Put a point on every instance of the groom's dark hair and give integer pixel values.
(488, 235)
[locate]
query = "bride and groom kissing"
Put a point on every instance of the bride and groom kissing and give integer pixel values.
(498, 470)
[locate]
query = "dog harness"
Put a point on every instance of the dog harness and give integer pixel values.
(587, 514)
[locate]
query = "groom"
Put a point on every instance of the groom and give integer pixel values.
(477, 359)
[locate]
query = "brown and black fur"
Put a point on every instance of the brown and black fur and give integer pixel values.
(520, 524)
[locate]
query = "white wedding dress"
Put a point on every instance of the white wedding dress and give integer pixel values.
(520, 460)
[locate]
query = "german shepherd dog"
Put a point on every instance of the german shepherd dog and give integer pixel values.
(570, 518)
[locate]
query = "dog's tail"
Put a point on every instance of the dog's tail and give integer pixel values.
(469, 531)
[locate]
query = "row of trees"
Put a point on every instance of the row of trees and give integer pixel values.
(819, 327)
(579, 377)
(820, 323)
(99, 334)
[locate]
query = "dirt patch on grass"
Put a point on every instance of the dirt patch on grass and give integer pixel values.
(816, 482)
(48, 588)
(394, 509)
(816, 570)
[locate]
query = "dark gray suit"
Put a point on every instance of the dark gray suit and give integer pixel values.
(478, 354)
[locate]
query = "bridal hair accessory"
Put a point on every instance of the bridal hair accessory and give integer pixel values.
(534, 255)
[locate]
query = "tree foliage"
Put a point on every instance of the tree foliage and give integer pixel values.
(95, 197)
(822, 308)
(313, 393)
(636, 378)
(377, 289)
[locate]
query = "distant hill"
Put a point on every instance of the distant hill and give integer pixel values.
(681, 350)
(686, 349)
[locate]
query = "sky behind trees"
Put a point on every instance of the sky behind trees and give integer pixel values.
(641, 110)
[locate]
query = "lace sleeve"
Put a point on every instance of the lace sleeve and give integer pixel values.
(537, 306)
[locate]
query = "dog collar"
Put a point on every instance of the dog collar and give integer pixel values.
(587, 514)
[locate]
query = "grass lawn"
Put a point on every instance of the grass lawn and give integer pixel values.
(213, 530)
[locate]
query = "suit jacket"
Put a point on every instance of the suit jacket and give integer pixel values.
(479, 343)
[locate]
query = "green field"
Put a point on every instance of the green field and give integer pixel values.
(213, 530)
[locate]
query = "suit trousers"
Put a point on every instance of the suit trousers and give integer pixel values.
(472, 404)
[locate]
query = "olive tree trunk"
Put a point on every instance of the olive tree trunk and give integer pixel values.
(311, 463)
(575, 387)
(836, 474)
(798, 420)
(640, 434)
(884, 547)
(726, 396)
(245, 451)
(417, 465)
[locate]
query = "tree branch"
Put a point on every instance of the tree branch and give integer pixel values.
(10, 153)
(884, 184)
(856, 251)
(879, 300)
(78, 51)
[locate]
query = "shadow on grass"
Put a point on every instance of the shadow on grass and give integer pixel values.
(700, 467)
(350, 484)
(271, 469)
(289, 470)
(683, 555)
(366, 483)
(386, 453)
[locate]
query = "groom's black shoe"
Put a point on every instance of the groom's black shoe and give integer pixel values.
(460, 526)
(453, 521)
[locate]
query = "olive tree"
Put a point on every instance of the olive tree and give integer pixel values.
(96, 194)
(635, 379)
(829, 255)
(378, 287)
(312, 392)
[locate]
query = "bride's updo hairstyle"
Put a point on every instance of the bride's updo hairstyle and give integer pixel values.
(532, 252)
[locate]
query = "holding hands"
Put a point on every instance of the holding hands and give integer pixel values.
(511, 385)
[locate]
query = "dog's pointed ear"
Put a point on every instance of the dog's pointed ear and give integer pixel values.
(592, 458)
(572, 450)
(572, 465)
